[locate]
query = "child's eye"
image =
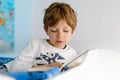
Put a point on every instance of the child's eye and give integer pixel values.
(53, 30)
(66, 30)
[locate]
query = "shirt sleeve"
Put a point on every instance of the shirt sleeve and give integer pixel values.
(24, 61)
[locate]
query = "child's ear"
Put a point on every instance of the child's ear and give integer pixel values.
(46, 29)
(72, 32)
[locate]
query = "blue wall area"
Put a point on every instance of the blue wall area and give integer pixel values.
(23, 26)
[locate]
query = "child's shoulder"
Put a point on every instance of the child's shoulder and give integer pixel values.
(37, 41)
(71, 48)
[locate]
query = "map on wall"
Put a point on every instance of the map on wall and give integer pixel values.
(6, 26)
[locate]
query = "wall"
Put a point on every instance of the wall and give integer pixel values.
(98, 23)
(23, 26)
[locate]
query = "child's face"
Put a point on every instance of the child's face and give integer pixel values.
(60, 34)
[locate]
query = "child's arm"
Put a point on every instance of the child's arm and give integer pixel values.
(24, 61)
(53, 64)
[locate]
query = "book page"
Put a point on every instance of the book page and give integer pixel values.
(40, 68)
(74, 58)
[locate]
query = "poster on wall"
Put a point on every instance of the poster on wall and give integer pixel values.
(7, 26)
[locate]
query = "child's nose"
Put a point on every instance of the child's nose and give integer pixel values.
(60, 34)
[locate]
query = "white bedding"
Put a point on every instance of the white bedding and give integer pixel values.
(99, 65)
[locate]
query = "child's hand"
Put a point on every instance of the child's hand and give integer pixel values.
(53, 64)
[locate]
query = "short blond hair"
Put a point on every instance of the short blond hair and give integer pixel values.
(57, 11)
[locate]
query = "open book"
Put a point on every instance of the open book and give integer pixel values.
(79, 55)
